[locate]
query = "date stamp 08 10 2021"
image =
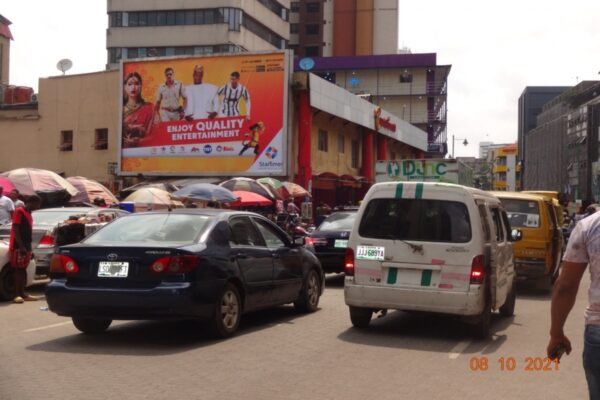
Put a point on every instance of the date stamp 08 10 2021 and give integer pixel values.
(529, 364)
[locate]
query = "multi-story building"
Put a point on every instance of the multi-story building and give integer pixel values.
(562, 151)
(531, 102)
(141, 28)
(5, 38)
(323, 28)
(410, 86)
(506, 168)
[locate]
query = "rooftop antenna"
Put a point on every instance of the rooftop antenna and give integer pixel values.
(64, 65)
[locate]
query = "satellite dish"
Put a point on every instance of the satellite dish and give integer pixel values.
(64, 65)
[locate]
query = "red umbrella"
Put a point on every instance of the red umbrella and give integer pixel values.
(248, 199)
(6, 184)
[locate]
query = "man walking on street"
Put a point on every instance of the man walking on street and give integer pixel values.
(583, 249)
(19, 247)
(7, 207)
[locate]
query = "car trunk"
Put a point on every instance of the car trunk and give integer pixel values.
(119, 267)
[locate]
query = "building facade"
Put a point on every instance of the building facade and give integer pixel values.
(140, 28)
(531, 102)
(5, 38)
(562, 151)
(324, 28)
(410, 86)
(506, 169)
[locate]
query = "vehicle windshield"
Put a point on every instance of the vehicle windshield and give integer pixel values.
(339, 221)
(157, 230)
(418, 220)
(43, 217)
(522, 213)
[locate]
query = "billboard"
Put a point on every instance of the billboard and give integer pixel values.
(211, 115)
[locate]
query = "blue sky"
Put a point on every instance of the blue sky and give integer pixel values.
(495, 48)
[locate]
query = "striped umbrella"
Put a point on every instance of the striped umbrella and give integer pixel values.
(276, 187)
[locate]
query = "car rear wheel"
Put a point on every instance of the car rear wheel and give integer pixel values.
(7, 284)
(508, 308)
(308, 301)
(91, 326)
(228, 312)
(481, 329)
(360, 317)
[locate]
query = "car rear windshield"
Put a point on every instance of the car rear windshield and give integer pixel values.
(42, 217)
(418, 220)
(522, 213)
(152, 229)
(339, 221)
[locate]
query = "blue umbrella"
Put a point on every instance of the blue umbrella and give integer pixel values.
(207, 192)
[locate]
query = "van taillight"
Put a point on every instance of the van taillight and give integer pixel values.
(478, 270)
(63, 264)
(46, 241)
(349, 262)
(174, 264)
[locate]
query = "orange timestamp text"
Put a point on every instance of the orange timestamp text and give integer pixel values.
(509, 364)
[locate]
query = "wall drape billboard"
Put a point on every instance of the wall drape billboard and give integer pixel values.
(212, 115)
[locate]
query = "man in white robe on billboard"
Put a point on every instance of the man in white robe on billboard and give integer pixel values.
(201, 99)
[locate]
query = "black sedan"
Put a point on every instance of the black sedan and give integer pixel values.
(330, 239)
(204, 264)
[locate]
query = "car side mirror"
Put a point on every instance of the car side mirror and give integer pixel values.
(516, 235)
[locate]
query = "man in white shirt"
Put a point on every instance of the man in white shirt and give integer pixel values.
(7, 207)
(14, 196)
(167, 100)
(232, 92)
(200, 99)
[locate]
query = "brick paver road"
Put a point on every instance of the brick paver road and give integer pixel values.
(280, 354)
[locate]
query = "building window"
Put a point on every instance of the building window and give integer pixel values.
(66, 141)
(355, 150)
(101, 139)
(275, 8)
(406, 77)
(312, 29)
(294, 28)
(322, 140)
(341, 144)
(313, 7)
(116, 19)
(311, 51)
(295, 6)
(263, 32)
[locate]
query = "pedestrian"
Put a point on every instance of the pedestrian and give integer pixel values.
(583, 249)
(14, 196)
(19, 246)
(7, 207)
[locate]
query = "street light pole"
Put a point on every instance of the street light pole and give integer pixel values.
(465, 142)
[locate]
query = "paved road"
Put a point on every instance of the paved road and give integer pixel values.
(282, 355)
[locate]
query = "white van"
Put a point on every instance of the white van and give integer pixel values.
(431, 247)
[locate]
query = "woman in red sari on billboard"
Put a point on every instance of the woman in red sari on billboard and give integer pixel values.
(138, 116)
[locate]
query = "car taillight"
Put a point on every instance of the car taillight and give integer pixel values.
(46, 241)
(63, 264)
(308, 241)
(478, 270)
(174, 264)
(349, 262)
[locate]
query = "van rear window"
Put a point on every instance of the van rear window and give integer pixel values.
(522, 213)
(418, 220)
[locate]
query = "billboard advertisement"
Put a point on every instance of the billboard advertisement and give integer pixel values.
(210, 115)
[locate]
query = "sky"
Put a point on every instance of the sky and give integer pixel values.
(496, 49)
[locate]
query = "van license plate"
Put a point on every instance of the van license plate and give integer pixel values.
(370, 253)
(113, 269)
(340, 243)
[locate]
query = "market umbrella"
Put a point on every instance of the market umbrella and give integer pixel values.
(248, 185)
(32, 180)
(206, 192)
(276, 187)
(152, 198)
(89, 190)
(296, 190)
(166, 186)
(249, 199)
(183, 182)
(6, 184)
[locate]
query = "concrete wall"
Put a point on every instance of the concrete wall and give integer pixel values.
(4, 60)
(80, 103)
(385, 27)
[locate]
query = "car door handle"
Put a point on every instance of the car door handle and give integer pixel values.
(276, 255)
(241, 255)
